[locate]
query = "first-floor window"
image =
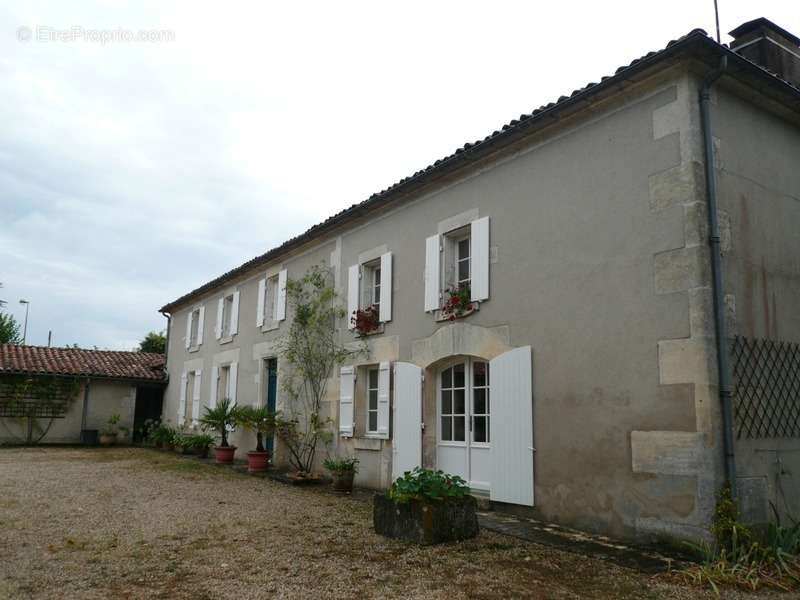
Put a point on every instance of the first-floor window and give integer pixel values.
(372, 400)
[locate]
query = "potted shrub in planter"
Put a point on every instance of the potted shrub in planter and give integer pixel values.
(161, 435)
(182, 443)
(222, 419)
(201, 442)
(426, 507)
(343, 470)
(260, 420)
(108, 436)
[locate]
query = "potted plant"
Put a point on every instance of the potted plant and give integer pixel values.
(109, 435)
(182, 443)
(221, 418)
(426, 507)
(343, 470)
(161, 435)
(366, 320)
(260, 420)
(458, 302)
(201, 442)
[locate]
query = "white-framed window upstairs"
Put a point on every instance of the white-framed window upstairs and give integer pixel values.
(271, 300)
(194, 327)
(369, 284)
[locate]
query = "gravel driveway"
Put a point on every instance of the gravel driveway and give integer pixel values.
(139, 523)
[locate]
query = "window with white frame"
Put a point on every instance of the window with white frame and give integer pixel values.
(194, 327)
(270, 300)
(369, 285)
(227, 313)
(458, 266)
(223, 382)
(271, 306)
(372, 400)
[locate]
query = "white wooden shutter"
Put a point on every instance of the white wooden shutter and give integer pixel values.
(386, 287)
(280, 309)
(232, 375)
(511, 427)
(212, 399)
(235, 314)
(347, 387)
(407, 432)
(262, 293)
(198, 378)
(352, 294)
(182, 401)
(384, 378)
(189, 329)
(479, 253)
(432, 273)
(200, 324)
(220, 310)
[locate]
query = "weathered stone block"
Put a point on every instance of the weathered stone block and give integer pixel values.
(686, 361)
(426, 522)
(666, 452)
(678, 185)
(680, 269)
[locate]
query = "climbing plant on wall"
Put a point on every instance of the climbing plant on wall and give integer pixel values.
(30, 404)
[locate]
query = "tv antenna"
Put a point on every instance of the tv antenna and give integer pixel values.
(716, 18)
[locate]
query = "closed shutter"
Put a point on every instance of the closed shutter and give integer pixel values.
(479, 253)
(386, 287)
(212, 398)
(407, 427)
(511, 427)
(347, 387)
(182, 401)
(352, 294)
(432, 273)
(220, 310)
(280, 309)
(200, 324)
(384, 382)
(262, 292)
(235, 313)
(189, 329)
(198, 378)
(232, 376)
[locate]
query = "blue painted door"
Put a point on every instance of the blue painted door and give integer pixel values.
(271, 369)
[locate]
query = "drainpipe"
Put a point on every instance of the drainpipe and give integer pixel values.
(166, 345)
(720, 325)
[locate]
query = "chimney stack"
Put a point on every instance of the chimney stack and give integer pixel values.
(770, 46)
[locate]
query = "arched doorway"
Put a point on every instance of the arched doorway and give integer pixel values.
(463, 410)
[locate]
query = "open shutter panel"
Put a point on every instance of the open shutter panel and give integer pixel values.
(479, 251)
(262, 292)
(218, 327)
(280, 309)
(198, 379)
(232, 382)
(212, 399)
(386, 287)
(407, 432)
(235, 314)
(432, 273)
(384, 378)
(182, 401)
(347, 386)
(352, 294)
(200, 324)
(511, 427)
(189, 329)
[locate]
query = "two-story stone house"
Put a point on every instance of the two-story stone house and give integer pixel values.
(583, 379)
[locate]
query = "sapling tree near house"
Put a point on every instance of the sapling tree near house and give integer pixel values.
(312, 351)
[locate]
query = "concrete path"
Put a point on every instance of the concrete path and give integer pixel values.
(644, 559)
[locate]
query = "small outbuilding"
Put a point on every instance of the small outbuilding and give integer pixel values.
(56, 395)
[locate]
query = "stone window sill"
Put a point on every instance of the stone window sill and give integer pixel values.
(377, 331)
(270, 327)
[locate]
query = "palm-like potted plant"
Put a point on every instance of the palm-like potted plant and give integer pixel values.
(261, 421)
(221, 418)
(343, 471)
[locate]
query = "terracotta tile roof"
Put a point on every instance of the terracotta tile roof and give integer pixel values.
(78, 361)
(696, 41)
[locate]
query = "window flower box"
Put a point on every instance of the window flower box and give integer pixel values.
(366, 321)
(457, 303)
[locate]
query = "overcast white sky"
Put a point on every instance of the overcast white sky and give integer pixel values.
(131, 173)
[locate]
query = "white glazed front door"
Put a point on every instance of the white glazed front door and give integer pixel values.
(463, 414)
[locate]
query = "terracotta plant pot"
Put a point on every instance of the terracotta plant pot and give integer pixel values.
(343, 481)
(107, 440)
(223, 455)
(257, 462)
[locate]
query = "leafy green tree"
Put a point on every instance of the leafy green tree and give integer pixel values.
(154, 342)
(9, 330)
(312, 350)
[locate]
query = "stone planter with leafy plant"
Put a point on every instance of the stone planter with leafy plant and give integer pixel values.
(109, 435)
(161, 434)
(343, 471)
(261, 421)
(426, 507)
(221, 419)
